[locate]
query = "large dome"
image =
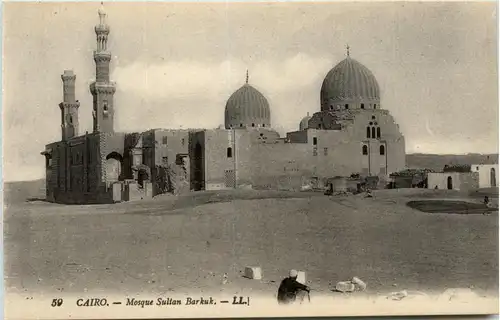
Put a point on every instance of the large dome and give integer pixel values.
(247, 107)
(350, 85)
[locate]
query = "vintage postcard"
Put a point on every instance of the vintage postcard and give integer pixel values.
(250, 159)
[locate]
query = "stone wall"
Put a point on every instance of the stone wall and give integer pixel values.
(221, 157)
(77, 172)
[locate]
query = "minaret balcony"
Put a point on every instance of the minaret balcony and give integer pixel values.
(103, 87)
(102, 29)
(102, 56)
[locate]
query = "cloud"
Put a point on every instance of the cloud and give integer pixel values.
(193, 94)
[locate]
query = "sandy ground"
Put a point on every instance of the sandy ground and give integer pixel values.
(165, 246)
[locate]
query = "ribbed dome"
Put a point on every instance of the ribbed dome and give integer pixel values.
(247, 107)
(304, 123)
(349, 82)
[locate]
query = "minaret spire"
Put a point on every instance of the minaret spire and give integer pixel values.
(102, 15)
(102, 89)
(347, 48)
(246, 81)
(102, 30)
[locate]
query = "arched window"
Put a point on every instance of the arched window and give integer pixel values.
(368, 132)
(365, 150)
(70, 119)
(373, 133)
(229, 152)
(378, 132)
(382, 150)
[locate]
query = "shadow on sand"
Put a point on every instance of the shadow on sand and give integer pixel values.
(450, 206)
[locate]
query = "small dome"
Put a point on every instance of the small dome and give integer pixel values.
(304, 123)
(349, 82)
(247, 107)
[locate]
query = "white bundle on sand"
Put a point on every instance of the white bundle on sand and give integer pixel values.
(345, 286)
(398, 295)
(358, 284)
(355, 284)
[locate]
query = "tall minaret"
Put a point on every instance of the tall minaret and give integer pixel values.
(102, 89)
(69, 106)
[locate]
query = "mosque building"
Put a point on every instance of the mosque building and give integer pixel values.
(350, 134)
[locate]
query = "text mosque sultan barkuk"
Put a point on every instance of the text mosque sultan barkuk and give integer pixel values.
(350, 136)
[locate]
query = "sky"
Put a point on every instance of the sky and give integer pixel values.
(176, 64)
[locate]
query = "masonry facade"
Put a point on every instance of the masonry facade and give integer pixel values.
(350, 134)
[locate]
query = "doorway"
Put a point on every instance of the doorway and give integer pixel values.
(493, 178)
(198, 182)
(450, 183)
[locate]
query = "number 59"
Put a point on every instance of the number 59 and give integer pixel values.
(57, 302)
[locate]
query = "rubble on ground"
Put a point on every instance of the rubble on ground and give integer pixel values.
(254, 273)
(458, 295)
(355, 284)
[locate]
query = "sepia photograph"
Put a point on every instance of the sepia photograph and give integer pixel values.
(250, 159)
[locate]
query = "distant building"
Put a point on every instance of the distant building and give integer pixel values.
(453, 180)
(488, 174)
(350, 134)
(454, 177)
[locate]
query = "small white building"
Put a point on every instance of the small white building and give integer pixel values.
(453, 180)
(488, 174)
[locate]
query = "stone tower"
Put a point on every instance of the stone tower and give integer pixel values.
(69, 106)
(102, 89)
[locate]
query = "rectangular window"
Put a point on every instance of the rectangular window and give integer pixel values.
(315, 141)
(326, 151)
(229, 152)
(164, 140)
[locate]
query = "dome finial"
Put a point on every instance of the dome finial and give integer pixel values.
(247, 78)
(347, 47)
